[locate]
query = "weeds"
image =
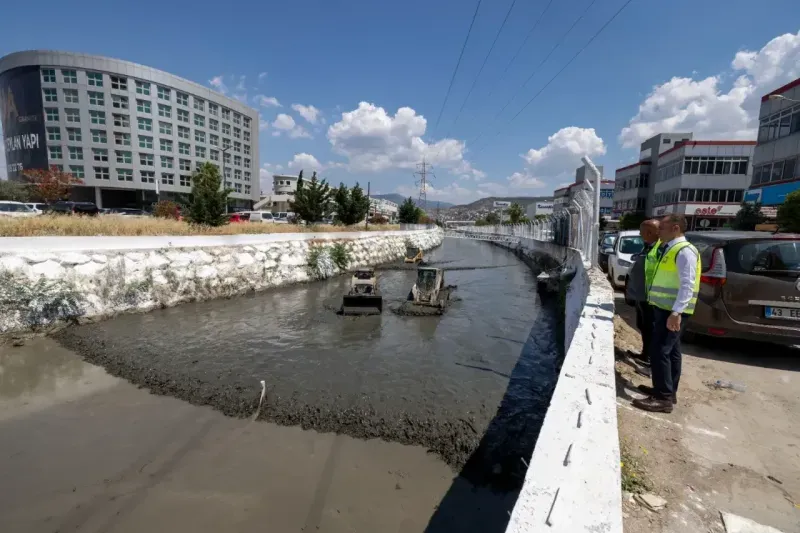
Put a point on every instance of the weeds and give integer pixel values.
(340, 255)
(634, 476)
(38, 303)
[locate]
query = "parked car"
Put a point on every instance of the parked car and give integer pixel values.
(16, 209)
(75, 208)
(264, 217)
(127, 211)
(606, 247)
(281, 217)
(620, 260)
(749, 286)
(38, 207)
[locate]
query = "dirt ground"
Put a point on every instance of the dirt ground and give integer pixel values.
(719, 450)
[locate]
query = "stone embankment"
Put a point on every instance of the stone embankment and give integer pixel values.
(49, 280)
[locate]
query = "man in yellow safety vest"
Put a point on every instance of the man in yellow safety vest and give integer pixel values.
(672, 292)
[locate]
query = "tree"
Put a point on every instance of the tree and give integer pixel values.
(312, 200)
(14, 191)
(167, 209)
(492, 218)
(630, 221)
(515, 213)
(748, 216)
(209, 200)
(789, 213)
(352, 205)
(408, 212)
(51, 185)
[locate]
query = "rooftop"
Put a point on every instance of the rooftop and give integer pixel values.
(782, 89)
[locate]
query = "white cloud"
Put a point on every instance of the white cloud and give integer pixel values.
(708, 110)
(266, 101)
(523, 180)
(306, 162)
(308, 112)
(261, 76)
(453, 193)
(218, 84)
(284, 123)
(262, 124)
(563, 151)
(373, 140)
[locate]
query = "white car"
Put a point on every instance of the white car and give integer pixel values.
(16, 209)
(620, 257)
(38, 207)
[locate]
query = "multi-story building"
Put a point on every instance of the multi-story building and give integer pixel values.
(560, 199)
(284, 187)
(384, 208)
(563, 197)
(631, 187)
(131, 133)
(776, 159)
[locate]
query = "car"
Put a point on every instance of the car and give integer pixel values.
(281, 218)
(606, 248)
(38, 207)
(749, 286)
(264, 217)
(127, 211)
(627, 244)
(16, 209)
(74, 208)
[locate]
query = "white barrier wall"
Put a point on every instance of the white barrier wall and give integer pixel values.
(47, 279)
(573, 480)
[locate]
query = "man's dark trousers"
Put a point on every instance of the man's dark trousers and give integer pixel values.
(644, 323)
(665, 355)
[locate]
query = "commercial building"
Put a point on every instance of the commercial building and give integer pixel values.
(563, 197)
(776, 159)
(131, 133)
(384, 208)
(704, 180)
(539, 208)
(284, 188)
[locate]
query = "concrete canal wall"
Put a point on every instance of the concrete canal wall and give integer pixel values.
(573, 480)
(44, 280)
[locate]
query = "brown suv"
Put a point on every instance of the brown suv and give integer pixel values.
(749, 286)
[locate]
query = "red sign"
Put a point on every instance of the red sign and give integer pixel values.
(708, 210)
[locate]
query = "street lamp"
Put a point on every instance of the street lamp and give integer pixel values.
(781, 97)
(224, 151)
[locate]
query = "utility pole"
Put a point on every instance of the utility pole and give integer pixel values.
(366, 222)
(422, 182)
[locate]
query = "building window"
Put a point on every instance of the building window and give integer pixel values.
(213, 155)
(71, 96)
(237, 133)
(246, 121)
(166, 162)
(165, 128)
(100, 155)
(213, 139)
(226, 158)
(246, 136)
(247, 176)
(164, 111)
(237, 187)
(199, 104)
(185, 164)
(227, 176)
(200, 151)
(246, 162)
(226, 143)
(119, 83)
(183, 115)
(226, 129)
(53, 133)
(237, 160)
(97, 117)
(145, 124)
(48, 75)
(237, 118)
(182, 98)
(101, 173)
(185, 181)
(708, 165)
(122, 121)
(213, 124)
(165, 145)
(76, 170)
(119, 101)
(147, 176)
(167, 179)
(94, 79)
(69, 75)
(237, 174)
(247, 189)
(237, 146)
(163, 93)
(50, 95)
(199, 120)
(142, 87)
(183, 132)
(55, 152)
(51, 114)
(99, 136)
(199, 136)
(143, 106)
(96, 98)
(184, 149)
(124, 174)
(122, 139)
(75, 153)
(213, 109)
(780, 124)
(146, 160)
(226, 113)
(246, 149)
(145, 142)
(124, 157)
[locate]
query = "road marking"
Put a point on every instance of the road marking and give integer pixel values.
(693, 429)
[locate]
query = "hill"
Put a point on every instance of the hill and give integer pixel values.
(399, 199)
(488, 203)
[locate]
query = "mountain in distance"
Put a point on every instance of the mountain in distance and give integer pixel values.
(399, 199)
(488, 203)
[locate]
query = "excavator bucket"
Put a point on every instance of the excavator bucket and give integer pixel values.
(362, 304)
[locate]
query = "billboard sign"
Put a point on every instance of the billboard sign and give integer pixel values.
(498, 203)
(23, 120)
(776, 194)
(753, 196)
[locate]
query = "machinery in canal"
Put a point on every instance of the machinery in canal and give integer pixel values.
(429, 295)
(364, 298)
(413, 254)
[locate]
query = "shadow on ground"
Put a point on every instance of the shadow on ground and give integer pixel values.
(484, 492)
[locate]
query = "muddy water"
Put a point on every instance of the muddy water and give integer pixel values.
(473, 383)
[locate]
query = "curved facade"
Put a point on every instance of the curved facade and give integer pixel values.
(130, 132)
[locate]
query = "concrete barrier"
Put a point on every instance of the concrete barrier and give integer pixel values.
(573, 479)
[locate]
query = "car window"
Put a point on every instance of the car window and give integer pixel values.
(631, 245)
(16, 208)
(763, 257)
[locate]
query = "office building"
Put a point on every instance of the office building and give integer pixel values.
(284, 187)
(539, 208)
(384, 208)
(776, 159)
(126, 130)
(563, 197)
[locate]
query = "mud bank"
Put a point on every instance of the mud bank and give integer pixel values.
(472, 385)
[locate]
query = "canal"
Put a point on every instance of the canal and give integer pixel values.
(469, 387)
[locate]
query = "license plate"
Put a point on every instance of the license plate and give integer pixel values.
(786, 313)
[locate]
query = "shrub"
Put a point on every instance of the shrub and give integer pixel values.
(379, 219)
(167, 209)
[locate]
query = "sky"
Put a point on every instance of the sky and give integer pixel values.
(354, 89)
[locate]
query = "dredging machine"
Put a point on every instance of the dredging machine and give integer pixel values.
(364, 297)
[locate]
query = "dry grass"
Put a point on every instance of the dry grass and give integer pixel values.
(72, 226)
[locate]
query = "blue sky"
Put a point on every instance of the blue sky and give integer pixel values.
(353, 88)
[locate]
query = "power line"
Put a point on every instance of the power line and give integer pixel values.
(458, 64)
(557, 74)
(423, 172)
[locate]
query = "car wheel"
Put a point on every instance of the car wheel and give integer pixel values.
(611, 278)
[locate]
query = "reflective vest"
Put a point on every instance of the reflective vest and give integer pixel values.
(663, 289)
(650, 262)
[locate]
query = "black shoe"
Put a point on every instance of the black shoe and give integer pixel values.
(640, 358)
(654, 405)
(650, 392)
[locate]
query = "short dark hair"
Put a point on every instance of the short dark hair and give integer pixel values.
(680, 220)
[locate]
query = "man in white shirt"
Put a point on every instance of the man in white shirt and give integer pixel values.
(673, 295)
